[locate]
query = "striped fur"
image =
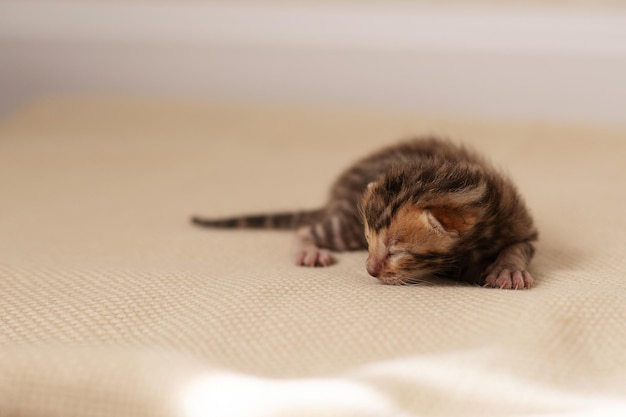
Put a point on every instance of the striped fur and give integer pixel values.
(423, 208)
(290, 220)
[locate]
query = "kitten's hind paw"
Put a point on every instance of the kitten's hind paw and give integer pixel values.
(314, 257)
(508, 279)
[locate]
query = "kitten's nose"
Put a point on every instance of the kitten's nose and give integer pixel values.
(373, 267)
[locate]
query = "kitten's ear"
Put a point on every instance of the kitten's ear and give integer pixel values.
(447, 221)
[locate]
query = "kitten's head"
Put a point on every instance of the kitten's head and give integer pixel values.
(414, 232)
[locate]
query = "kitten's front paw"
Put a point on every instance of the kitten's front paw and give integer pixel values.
(505, 278)
(314, 257)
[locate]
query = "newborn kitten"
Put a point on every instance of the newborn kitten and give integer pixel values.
(424, 208)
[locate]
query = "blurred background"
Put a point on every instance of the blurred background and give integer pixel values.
(539, 60)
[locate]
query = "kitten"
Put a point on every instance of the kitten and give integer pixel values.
(424, 208)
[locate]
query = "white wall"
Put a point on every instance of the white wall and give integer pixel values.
(478, 61)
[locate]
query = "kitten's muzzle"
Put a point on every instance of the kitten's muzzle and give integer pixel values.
(373, 266)
(376, 260)
(378, 268)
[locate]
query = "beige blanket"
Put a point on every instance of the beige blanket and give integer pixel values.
(111, 304)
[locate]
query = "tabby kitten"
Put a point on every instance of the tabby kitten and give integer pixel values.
(424, 208)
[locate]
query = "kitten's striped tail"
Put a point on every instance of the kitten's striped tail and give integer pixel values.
(290, 220)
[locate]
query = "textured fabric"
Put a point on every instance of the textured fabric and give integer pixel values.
(112, 304)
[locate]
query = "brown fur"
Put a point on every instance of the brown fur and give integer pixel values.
(423, 208)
